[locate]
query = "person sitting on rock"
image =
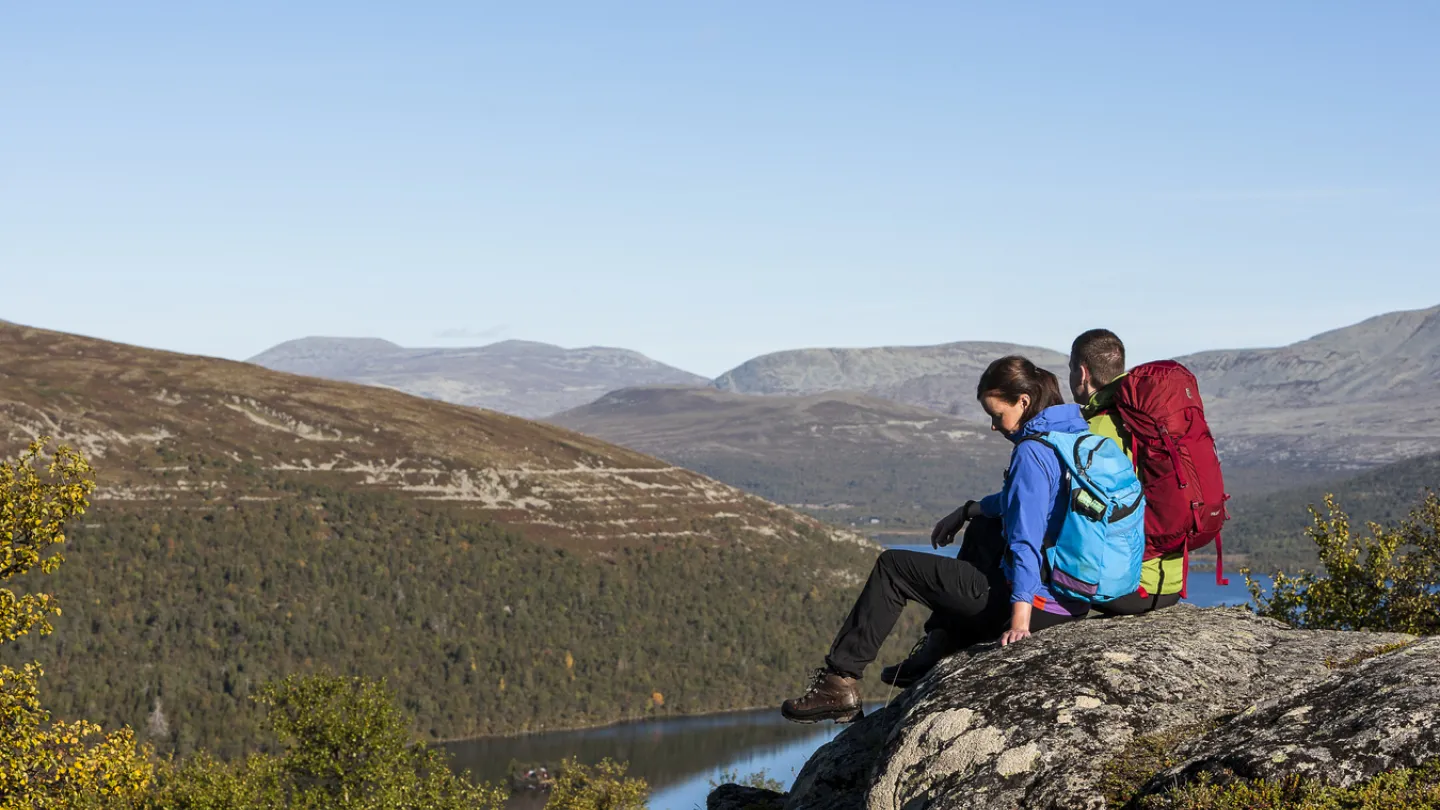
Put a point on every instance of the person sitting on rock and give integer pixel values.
(1097, 367)
(965, 599)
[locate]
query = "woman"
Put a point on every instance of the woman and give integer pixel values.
(967, 601)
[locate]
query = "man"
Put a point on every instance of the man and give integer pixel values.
(1097, 367)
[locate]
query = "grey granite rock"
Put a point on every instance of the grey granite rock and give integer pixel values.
(1376, 716)
(1032, 725)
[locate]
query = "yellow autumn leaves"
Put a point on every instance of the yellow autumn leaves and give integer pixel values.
(45, 764)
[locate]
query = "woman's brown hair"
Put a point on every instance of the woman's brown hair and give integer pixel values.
(1010, 377)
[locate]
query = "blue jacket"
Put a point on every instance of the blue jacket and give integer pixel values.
(1032, 506)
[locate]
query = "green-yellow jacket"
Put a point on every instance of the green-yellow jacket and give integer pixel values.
(1162, 575)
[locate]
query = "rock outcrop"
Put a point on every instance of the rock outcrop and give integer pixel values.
(1037, 724)
(1374, 716)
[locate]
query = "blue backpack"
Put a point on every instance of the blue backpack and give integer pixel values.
(1096, 555)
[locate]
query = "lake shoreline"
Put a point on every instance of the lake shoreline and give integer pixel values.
(598, 726)
(870, 706)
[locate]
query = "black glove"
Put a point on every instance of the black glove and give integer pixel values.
(951, 524)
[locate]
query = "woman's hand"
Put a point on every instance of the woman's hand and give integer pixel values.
(1013, 635)
(951, 524)
(1019, 624)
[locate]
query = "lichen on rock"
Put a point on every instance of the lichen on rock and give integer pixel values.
(1035, 724)
(1380, 715)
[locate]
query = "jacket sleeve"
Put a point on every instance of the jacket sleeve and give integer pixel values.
(1027, 505)
(993, 506)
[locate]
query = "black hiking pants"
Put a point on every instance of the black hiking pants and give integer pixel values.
(967, 597)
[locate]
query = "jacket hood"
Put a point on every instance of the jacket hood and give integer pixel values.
(1054, 419)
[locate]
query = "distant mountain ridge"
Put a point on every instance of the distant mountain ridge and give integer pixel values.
(941, 378)
(1344, 401)
(1322, 409)
(843, 455)
(522, 378)
(843, 416)
(1353, 397)
(1397, 354)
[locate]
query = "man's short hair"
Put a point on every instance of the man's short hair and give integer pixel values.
(1101, 351)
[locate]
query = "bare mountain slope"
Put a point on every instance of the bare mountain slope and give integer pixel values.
(1396, 355)
(176, 428)
(843, 455)
(516, 377)
(1355, 397)
(941, 378)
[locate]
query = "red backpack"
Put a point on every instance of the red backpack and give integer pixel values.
(1159, 404)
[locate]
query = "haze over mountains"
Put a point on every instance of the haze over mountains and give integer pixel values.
(821, 428)
(517, 377)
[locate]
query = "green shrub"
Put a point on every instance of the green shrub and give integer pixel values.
(600, 787)
(1386, 581)
(1407, 789)
(344, 745)
(1143, 757)
(760, 780)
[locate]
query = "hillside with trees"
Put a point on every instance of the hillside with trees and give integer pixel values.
(501, 575)
(1269, 528)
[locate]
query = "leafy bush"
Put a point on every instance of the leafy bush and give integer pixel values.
(760, 780)
(344, 746)
(45, 764)
(1387, 581)
(600, 787)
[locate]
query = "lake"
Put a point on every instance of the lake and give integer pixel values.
(681, 756)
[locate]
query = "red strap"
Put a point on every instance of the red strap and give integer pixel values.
(1220, 578)
(1174, 458)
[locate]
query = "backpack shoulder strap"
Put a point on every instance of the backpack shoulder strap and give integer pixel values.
(1043, 438)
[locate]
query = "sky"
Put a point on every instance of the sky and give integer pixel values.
(707, 182)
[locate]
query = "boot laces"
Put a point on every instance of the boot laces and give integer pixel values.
(919, 645)
(816, 678)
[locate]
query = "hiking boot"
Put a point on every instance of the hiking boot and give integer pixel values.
(936, 645)
(831, 696)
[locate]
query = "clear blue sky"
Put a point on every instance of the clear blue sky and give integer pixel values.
(705, 182)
